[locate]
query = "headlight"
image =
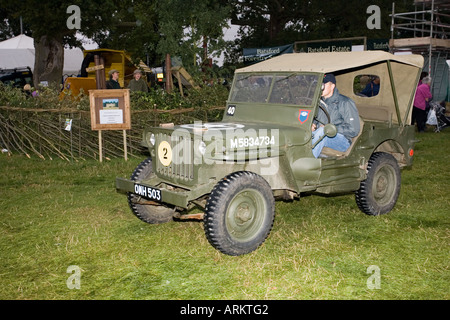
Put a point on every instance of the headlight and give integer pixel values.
(152, 139)
(202, 147)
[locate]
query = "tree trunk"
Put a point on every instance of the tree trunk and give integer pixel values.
(169, 83)
(49, 61)
(277, 21)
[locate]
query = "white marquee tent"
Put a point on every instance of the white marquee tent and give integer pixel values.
(19, 52)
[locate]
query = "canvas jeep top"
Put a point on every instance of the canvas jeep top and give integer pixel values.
(261, 150)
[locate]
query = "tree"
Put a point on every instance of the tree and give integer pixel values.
(192, 29)
(135, 31)
(340, 19)
(11, 27)
(188, 28)
(269, 22)
(266, 23)
(47, 22)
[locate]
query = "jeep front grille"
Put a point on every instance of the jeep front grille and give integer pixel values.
(182, 164)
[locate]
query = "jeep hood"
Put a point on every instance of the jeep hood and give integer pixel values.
(249, 140)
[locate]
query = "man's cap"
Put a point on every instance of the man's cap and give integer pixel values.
(112, 71)
(329, 78)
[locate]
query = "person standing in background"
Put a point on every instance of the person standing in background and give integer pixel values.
(138, 83)
(113, 82)
(421, 100)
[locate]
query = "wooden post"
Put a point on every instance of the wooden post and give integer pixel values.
(102, 74)
(168, 74)
(79, 135)
(100, 146)
(180, 85)
(125, 151)
(97, 72)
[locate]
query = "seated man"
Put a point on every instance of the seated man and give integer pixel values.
(343, 114)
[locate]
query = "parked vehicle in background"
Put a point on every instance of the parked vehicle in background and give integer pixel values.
(17, 77)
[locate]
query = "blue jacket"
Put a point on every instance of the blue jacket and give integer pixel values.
(343, 113)
(371, 89)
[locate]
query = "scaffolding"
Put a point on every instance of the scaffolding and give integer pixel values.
(427, 25)
(425, 31)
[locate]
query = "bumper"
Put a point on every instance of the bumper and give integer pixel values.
(177, 197)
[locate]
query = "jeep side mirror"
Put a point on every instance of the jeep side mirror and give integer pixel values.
(330, 130)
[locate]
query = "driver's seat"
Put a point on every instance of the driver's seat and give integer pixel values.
(331, 153)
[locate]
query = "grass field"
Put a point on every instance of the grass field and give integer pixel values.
(55, 214)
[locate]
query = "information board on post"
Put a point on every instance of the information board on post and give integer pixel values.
(110, 110)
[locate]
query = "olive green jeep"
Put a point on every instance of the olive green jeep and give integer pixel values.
(261, 151)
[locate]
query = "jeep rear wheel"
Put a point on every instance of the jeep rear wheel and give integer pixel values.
(239, 213)
(150, 213)
(379, 192)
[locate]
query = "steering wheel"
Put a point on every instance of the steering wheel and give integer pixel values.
(326, 114)
(329, 128)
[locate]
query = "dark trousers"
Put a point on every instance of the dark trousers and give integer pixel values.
(419, 116)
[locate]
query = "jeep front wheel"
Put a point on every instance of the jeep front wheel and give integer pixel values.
(379, 192)
(239, 213)
(148, 212)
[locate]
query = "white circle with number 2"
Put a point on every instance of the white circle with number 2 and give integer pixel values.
(165, 153)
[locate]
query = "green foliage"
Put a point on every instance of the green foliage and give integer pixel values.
(201, 99)
(340, 19)
(43, 98)
(208, 103)
(272, 23)
(187, 25)
(150, 29)
(268, 23)
(136, 31)
(96, 17)
(47, 22)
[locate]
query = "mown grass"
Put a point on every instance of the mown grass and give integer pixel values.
(54, 214)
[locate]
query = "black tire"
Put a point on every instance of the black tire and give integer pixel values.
(153, 214)
(239, 213)
(379, 192)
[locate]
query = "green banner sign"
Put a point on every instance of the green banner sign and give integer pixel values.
(329, 46)
(254, 55)
(378, 44)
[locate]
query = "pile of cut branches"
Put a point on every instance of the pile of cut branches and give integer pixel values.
(38, 125)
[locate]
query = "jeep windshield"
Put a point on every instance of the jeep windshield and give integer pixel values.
(289, 88)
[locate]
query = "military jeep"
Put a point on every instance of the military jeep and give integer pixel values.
(234, 170)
